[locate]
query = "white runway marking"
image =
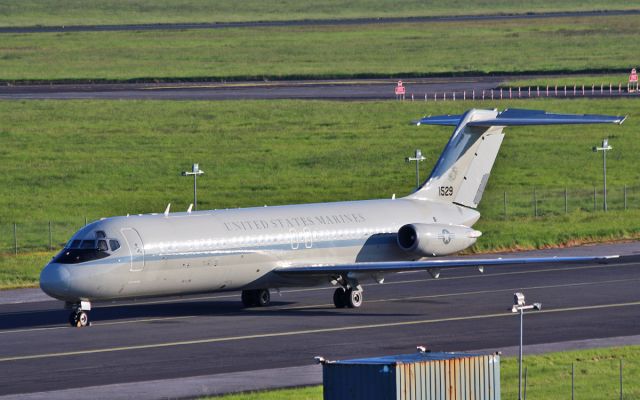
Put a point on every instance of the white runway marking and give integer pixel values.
(304, 332)
(285, 308)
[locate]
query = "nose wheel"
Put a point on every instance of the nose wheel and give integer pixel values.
(79, 319)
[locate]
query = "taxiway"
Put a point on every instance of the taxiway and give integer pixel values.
(173, 338)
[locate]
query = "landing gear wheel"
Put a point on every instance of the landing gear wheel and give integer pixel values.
(247, 298)
(339, 298)
(256, 298)
(353, 298)
(263, 297)
(79, 319)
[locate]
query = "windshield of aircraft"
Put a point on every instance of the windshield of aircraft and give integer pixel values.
(82, 250)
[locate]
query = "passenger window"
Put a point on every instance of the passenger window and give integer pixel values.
(115, 245)
(102, 245)
(88, 244)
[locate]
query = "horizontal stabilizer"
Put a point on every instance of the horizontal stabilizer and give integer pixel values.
(518, 117)
(397, 266)
(447, 120)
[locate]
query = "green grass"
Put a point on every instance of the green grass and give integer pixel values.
(76, 12)
(549, 377)
(539, 45)
(304, 393)
(64, 161)
(22, 270)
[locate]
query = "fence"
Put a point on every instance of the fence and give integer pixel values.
(536, 202)
(528, 92)
(37, 235)
(586, 378)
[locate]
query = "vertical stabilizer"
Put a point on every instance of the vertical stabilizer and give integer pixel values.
(461, 173)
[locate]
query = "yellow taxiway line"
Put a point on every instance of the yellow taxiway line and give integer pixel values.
(301, 332)
(185, 300)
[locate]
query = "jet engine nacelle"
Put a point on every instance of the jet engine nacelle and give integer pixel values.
(430, 240)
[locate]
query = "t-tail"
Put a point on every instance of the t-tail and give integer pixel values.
(461, 173)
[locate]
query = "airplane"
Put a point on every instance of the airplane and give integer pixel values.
(339, 243)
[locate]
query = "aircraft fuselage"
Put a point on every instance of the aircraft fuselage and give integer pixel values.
(208, 251)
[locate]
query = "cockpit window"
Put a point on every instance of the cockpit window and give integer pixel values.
(75, 256)
(102, 245)
(115, 245)
(88, 244)
(79, 251)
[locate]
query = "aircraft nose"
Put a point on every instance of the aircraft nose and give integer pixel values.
(54, 280)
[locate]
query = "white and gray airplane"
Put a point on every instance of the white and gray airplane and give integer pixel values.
(263, 248)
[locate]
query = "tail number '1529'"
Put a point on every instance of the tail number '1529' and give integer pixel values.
(446, 191)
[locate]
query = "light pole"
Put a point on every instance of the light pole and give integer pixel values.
(417, 158)
(519, 306)
(195, 171)
(605, 147)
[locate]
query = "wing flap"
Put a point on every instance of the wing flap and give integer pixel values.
(398, 266)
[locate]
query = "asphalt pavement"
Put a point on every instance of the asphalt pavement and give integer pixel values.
(313, 22)
(416, 89)
(364, 89)
(133, 344)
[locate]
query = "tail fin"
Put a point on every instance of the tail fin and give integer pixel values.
(462, 171)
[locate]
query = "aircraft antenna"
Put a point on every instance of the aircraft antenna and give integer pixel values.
(190, 207)
(166, 210)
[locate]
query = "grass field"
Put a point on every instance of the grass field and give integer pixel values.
(549, 377)
(76, 12)
(539, 45)
(68, 160)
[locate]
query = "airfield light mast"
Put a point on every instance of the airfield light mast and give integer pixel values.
(195, 171)
(605, 147)
(417, 158)
(519, 306)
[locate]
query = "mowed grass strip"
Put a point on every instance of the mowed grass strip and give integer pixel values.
(549, 377)
(66, 160)
(512, 46)
(76, 12)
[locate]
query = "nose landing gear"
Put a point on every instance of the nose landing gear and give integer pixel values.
(79, 316)
(78, 319)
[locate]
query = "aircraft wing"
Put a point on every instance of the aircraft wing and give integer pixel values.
(398, 266)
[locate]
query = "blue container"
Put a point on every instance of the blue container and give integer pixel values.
(428, 376)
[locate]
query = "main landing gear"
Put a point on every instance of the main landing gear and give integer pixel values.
(256, 298)
(349, 294)
(351, 298)
(79, 316)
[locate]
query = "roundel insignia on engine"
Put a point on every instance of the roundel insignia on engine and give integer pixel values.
(446, 236)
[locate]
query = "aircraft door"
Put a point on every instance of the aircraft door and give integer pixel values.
(136, 249)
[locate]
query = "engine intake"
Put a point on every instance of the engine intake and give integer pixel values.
(431, 240)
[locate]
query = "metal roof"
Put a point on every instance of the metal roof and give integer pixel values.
(407, 358)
